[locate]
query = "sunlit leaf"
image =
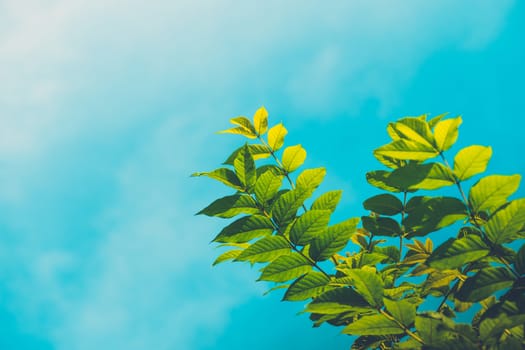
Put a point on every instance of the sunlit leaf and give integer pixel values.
(244, 166)
(260, 121)
(454, 253)
(276, 136)
(256, 150)
(332, 240)
(293, 157)
(327, 201)
(503, 226)
(230, 206)
(492, 191)
(308, 286)
(414, 129)
(338, 300)
(368, 284)
(406, 150)
(402, 310)
(224, 175)
(265, 250)
(446, 133)
(267, 185)
(373, 325)
(309, 225)
(245, 229)
(244, 128)
(285, 268)
(471, 161)
(229, 255)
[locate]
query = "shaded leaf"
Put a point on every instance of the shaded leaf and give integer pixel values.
(244, 166)
(368, 284)
(519, 263)
(245, 229)
(256, 150)
(402, 310)
(373, 325)
(381, 226)
(384, 204)
(224, 175)
(454, 253)
(484, 284)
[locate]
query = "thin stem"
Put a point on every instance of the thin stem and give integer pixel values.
(406, 329)
(470, 214)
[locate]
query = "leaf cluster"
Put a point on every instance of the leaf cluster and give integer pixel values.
(394, 289)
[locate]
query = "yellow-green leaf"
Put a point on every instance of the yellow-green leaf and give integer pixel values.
(285, 268)
(471, 161)
(260, 121)
(373, 325)
(244, 127)
(293, 157)
(503, 226)
(276, 136)
(406, 150)
(308, 286)
(446, 133)
(492, 191)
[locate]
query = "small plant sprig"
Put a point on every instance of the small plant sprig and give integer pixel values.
(392, 290)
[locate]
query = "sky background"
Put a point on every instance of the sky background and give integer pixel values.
(107, 107)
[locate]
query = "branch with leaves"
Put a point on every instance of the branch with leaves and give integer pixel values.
(387, 299)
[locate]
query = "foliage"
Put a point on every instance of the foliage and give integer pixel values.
(394, 289)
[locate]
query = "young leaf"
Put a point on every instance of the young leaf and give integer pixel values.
(244, 128)
(265, 250)
(285, 268)
(454, 253)
(229, 255)
(267, 186)
(384, 204)
(446, 133)
(492, 191)
(368, 284)
(224, 175)
(503, 226)
(230, 206)
(406, 150)
(308, 226)
(245, 229)
(293, 158)
(327, 201)
(245, 168)
(373, 325)
(414, 129)
(402, 310)
(485, 283)
(471, 161)
(332, 240)
(260, 121)
(308, 286)
(276, 137)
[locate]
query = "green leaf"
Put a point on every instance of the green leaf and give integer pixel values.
(471, 161)
(503, 226)
(245, 229)
(406, 150)
(446, 133)
(413, 176)
(265, 250)
(285, 268)
(402, 310)
(260, 121)
(229, 255)
(338, 300)
(368, 284)
(310, 179)
(308, 286)
(484, 284)
(381, 226)
(276, 136)
(454, 253)
(245, 168)
(327, 201)
(308, 226)
(256, 150)
(384, 204)
(267, 186)
(494, 327)
(224, 175)
(380, 179)
(429, 214)
(492, 191)
(433, 122)
(414, 129)
(230, 206)
(519, 263)
(293, 157)
(373, 325)
(244, 128)
(332, 240)
(285, 207)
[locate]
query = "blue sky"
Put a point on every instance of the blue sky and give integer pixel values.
(107, 107)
